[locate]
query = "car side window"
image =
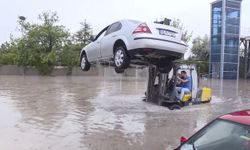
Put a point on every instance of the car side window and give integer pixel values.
(114, 27)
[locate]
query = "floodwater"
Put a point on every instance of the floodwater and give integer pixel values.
(101, 113)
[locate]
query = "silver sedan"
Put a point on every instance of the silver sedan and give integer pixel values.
(128, 42)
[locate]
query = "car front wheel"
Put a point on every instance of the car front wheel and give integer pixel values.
(85, 65)
(121, 59)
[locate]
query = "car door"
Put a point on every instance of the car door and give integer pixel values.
(94, 49)
(109, 39)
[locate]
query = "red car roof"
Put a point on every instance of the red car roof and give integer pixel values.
(242, 117)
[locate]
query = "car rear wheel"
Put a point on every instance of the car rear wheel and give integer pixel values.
(121, 59)
(85, 65)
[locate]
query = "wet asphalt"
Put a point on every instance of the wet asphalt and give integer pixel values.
(102, 113)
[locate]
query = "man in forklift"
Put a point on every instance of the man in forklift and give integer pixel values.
(183, 85)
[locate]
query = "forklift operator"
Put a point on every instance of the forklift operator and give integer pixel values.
(183, 85)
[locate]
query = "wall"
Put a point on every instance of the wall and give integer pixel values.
(63, 71)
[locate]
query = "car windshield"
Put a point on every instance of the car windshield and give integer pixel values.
(221, 135)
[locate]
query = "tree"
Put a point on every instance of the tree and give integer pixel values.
(40, 43)
(45, 44)
(82, 36)
(70, 57)
(186, 34)
(9, 52)
(200, 48)
(47, 36)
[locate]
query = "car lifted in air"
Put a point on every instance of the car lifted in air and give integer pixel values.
(128, 42)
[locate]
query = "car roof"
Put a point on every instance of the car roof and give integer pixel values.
(130, 20)
(242, 117)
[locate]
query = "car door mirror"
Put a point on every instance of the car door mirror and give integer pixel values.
(91, 38)
(183, 140)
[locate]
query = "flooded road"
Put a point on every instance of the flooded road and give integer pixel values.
(101, 113)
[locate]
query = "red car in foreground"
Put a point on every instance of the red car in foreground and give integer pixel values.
(228, 132)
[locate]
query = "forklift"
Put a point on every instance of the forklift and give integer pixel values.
(162, 87)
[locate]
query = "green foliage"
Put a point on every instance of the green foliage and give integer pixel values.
(8, 59)
(41, 41)
(186, 34)
(46, 63)
(47, 36)
(82, 36)
(45, 44)
(9, 53)
(202, 66)
(70, 57)
(200, 48)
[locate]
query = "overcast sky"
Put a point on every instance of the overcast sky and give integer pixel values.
(195, 14)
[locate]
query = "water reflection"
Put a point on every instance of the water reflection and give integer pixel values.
(224, 88)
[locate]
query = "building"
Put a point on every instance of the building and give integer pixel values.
(225, 39)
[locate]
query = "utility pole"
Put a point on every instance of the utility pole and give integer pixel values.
(22, 19)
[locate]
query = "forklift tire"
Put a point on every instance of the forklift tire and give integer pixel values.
(174, 106)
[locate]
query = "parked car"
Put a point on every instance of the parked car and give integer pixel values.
(228, 132)
(130, 41)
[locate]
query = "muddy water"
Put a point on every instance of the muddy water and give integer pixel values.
(101, 113)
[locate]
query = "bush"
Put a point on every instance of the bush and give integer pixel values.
(8, 59)
(202, 66)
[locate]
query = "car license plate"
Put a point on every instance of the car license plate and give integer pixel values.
(167, 33)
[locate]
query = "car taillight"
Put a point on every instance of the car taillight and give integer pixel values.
(142, 28)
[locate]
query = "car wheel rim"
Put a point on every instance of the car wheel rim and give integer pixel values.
(83, 63)
(119, 58)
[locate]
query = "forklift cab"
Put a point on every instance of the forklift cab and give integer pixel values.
(193, 74)
(197, 95)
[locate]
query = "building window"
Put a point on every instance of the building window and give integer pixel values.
(233, 13)
(233, 21)
(230, 75)
(215, 57)
(230, 67)
(231, 58)
(232, 29)
(216, 40)
(231, 49)
(232, 41)
(232, 4)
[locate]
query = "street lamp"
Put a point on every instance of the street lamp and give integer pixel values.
(22, 18)
(21, 22)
